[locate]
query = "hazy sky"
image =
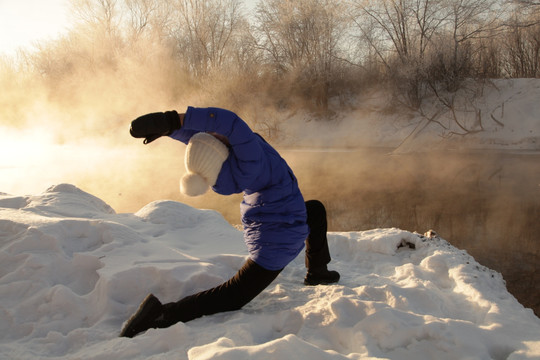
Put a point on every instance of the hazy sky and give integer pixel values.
(23, 22)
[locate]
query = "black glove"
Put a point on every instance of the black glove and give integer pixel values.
(154, 125)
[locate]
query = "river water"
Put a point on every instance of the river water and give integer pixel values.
(487, 203)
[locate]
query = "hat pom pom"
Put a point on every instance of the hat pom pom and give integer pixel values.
(193, 184)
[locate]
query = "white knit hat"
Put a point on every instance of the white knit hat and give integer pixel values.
(204, 157)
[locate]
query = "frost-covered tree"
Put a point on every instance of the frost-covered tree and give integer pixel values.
(206, 32)
(303, 40)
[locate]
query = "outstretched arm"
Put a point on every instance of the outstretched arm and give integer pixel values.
(248, 159)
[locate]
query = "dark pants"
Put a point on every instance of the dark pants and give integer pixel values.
(252, 278)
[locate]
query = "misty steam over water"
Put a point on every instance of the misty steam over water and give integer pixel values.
(487, 203)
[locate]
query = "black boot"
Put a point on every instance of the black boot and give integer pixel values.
(321, 276)
(149, 310)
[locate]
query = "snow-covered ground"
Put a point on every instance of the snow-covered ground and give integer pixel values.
(73, 271)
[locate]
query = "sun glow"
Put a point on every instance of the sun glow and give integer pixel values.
(25, 23)
(25, 157)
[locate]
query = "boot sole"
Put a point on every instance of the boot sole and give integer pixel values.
(315, 283)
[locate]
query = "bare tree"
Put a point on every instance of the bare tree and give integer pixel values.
(428, 16)
(140, 15)
(206, 32)
(302, 39)
(101, 14)
(407, 31)
(527, 2)
(98, 31)
(404, 27)
(522, 40)
(523, 49)
(468, 20)
(401, 33)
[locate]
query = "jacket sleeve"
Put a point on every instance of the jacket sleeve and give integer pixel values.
(248, 158)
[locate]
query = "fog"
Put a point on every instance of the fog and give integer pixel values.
(65, 113)
(487, 203)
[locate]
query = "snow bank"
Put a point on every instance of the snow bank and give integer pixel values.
(73, 271)
(505, 114)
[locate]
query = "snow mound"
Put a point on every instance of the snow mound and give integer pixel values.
(63, 199)
(73, 271)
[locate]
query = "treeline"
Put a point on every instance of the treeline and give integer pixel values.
(284, 53)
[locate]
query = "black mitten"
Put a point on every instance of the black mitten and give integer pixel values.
(154, 125)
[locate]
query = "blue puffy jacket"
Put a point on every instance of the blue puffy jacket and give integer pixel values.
(273, 210)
